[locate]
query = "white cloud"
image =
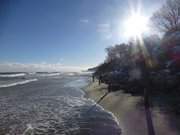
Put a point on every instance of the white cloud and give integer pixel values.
(84, 21)
(105, 30)
(104, 27)
(39, 67)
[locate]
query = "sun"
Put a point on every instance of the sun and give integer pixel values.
(136, 25)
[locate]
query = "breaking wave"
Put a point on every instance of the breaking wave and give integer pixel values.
(57, 115)
(12, 75)
(58, 107)
(18, 83)
(49, 74)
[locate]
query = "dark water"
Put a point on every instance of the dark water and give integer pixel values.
(44, 104)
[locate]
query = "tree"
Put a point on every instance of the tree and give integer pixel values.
(118, 54)
(118, 57)
(167, 18)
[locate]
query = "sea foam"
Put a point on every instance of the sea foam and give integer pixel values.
(12, 75)
(18, 83)
(49, 74)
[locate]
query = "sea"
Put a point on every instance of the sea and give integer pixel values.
(51, 103)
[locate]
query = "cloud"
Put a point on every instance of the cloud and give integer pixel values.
(105, 30)
(39, 67)
(84, 21)
(104, 27)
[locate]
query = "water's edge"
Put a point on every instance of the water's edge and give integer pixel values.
(98, 105)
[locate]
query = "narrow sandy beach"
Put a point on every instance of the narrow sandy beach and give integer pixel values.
(131, 114)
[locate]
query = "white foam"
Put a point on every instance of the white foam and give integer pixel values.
(102, 108)
(32, 73)
(29, 130)
(71, 74)
(50, 74)
(18, 83)
(12, 75)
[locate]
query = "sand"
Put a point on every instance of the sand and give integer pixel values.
(130, 112)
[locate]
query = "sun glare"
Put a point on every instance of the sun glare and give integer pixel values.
(135, 25)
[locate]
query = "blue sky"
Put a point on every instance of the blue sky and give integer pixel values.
(66, 32)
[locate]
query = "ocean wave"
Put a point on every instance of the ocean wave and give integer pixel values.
(32, 73)
(60, 115)
(71, 74)
(49, 74)
(12, 75)
(56, 114)
(18, 83)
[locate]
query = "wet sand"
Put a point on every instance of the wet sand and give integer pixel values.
(130, 112)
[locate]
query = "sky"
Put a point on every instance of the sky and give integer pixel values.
(62, 34)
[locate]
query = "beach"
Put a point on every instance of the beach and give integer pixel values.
(130, 112)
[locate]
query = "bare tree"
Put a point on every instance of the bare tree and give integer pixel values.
(118, 53)
(168, 17)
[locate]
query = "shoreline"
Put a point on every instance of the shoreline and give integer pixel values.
(130, 112)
